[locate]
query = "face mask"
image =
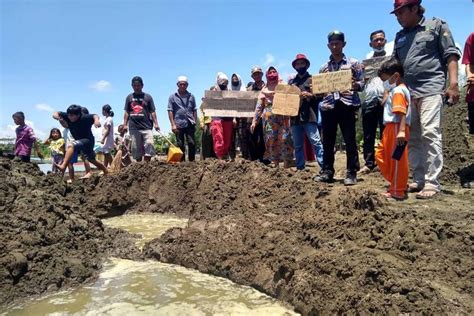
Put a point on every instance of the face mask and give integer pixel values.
(235, 83)
(379, 50)
(223, 86)
(301, 71)
(388, 86)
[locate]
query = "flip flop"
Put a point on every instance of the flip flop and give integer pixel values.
(389, 196)
(420, 195)
(414, 187)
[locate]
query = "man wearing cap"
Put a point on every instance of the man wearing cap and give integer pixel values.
(339, 108)
(140, 117)
(256, 141)
(426, 49)
(305, 123)
(372, 107)
(183, 117)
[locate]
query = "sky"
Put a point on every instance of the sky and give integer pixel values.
(55, 53)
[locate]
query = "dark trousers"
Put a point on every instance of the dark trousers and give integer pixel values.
(188, 134)
(207, 149)
(372, 117)
(257, 143)
(470, 108)
(344, 116)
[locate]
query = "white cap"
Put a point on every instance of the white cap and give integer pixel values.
(183, 79)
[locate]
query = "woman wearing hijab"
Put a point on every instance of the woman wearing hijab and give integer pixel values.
(222, 127)
(276, 128)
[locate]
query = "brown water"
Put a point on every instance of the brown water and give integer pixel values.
(152, 288)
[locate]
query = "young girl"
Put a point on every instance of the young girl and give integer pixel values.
(107, 134)
(25, 138)
(391, 155)
(57, 146)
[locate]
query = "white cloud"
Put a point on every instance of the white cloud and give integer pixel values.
(101, 86)
(44, 107)
(269, 60)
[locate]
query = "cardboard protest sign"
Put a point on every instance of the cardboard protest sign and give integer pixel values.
(286, 100)
(332, 81)
(372, 66)
(229, 103)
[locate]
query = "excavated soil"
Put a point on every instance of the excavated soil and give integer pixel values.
(46, 242)
(322, 248)
(458, 146)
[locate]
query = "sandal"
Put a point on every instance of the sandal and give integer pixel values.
(414, 187)
(431, 194)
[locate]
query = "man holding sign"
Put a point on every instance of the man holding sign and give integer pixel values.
(339, 108)
(305, 121)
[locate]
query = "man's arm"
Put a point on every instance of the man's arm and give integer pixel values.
(125, 119)
(172, 122)
(155, 121)
(453, 89)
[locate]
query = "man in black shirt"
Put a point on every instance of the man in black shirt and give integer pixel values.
(80, 127)
(140, 117)
(306, 121)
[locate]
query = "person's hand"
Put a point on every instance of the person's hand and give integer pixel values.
(174, 129)
(102, 141)
(470, 79)
(452, 93)
(40, 155)
(157, 128)
(234, 123)
(252, 127)
(401, 139)
(306, 94)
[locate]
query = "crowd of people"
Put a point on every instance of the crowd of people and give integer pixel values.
(403, 102)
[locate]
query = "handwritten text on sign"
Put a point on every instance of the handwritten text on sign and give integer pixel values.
(286, 100)
(230, 103)
(332, 81)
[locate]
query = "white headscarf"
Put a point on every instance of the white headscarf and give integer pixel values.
(239, 87)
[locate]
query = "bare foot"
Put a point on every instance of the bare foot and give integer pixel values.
(87, 175)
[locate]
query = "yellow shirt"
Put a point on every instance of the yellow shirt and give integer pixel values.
(57, 147)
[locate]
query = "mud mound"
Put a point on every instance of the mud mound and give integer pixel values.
(46, 242)
(323, 249)
(458, 146)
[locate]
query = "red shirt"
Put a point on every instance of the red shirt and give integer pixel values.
(468, 59)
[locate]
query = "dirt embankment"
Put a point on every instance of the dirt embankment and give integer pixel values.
(46, 242)
(458, 146)
(321, 248)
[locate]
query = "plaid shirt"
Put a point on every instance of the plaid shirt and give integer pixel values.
(349, 97)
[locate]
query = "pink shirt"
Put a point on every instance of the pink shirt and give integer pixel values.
(25, 138)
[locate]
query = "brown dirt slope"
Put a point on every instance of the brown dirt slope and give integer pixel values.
(47, 243)
(322, 248)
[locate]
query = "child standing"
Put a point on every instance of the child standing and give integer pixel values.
(107, 134)
(57, 147)
(25, 138)
(391, 155)
(122, 144)
(80, 127)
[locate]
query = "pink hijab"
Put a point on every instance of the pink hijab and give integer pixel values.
(267, 93)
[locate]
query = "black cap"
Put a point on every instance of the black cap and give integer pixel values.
(336, 35)
(137, 79)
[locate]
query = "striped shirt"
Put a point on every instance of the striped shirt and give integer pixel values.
(349, 97)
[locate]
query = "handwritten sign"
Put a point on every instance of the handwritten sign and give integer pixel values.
(372, 66)
(286, 100)
(229, 103)
(332, 81)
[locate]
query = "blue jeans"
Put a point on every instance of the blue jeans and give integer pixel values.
(298, 132)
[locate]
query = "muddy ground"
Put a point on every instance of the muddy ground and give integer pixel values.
(321, 248)
(47, 243)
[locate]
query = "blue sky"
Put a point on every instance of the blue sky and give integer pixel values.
(58, 52)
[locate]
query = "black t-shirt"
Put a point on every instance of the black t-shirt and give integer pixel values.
(308, 111)
(139, 107)
(81, 128)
